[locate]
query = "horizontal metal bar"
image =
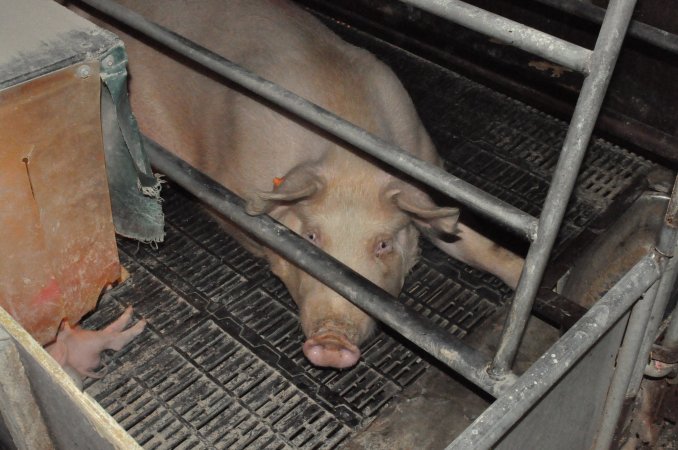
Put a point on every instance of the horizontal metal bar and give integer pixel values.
(564, 178)
(472, 197)
(513, 33)
(638, 30)
(379, 304)
(507, 410)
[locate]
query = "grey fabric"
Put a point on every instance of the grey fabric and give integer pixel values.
(134, 190)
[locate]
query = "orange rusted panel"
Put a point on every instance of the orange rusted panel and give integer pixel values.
(56, 232)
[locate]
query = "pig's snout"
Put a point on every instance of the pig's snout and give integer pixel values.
(331, 349)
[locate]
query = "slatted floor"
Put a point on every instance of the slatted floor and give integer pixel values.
(220, 364)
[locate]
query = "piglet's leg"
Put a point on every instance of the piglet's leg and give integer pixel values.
(119, 339)
(80, 350)
(480, 252)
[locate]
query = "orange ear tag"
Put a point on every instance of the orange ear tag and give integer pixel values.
(278, 181)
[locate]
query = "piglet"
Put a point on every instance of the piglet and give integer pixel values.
(78, 350)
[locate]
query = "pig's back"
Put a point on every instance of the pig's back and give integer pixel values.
(235, 139)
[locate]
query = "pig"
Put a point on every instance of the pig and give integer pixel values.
(78, 351)
(359, 211)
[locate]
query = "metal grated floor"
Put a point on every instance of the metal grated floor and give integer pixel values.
(220, 365)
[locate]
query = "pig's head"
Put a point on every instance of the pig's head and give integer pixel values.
(368, 221)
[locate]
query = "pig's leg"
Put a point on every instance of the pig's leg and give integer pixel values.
(480, 252)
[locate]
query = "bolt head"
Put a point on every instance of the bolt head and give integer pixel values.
(84, 71)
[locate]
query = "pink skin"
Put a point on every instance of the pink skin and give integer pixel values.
(79, 351)
(359, 212)
(331, 350)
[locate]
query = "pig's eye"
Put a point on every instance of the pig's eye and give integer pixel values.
(384, 247)
(311, 236)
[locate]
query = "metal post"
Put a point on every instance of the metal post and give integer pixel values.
(640, 333)
(671, 335)
(436, 341)
(576, 142)
(477, 199)
(516, 34)
(667, 245)
(507, 410)
(626, 361)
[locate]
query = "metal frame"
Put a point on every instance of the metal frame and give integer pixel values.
(515, 396)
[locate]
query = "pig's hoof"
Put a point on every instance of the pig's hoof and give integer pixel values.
(331, 350)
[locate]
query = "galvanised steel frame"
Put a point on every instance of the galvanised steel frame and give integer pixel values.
(651, 279)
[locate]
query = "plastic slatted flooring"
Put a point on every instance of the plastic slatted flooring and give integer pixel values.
(220, 364)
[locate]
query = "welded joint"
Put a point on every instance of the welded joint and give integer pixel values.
(533, 230)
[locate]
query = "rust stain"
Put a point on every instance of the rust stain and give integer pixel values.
(544, 66)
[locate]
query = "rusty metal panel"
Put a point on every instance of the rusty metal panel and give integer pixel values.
(55, 220)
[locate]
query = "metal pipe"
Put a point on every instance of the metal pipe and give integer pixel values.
(668, 246)
(626, 362)
(671, 337)
(474, 198)
(513, 33)
(638, 30)
(576, 142)
(436, 341)
(508, 409)
(640, 334)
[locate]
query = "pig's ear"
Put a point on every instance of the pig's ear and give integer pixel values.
(298, 184)
(427, 215)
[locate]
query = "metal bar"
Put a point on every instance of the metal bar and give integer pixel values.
(671, 337)
(667, 245)
(626, 361)
(508, 409)
(474, 198)
(576, 142)
(513, 33)
(436, 341)
(638, 30)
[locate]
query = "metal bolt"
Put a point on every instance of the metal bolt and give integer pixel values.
(84, 71)
(108, 61)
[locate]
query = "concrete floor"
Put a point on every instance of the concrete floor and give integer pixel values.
(436, 408)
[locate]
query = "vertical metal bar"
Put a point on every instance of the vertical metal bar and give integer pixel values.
(576, 142)
(508, 409)
(640, 333)
(626, 359)
(671, 336)
(666, 285)
(668, 245)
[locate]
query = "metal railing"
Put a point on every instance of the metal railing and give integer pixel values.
(496, 377)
